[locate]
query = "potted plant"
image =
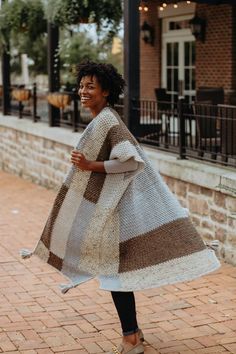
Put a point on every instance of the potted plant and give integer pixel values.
(21, 94)
(67, 12)
(59, 99)
(22, 16)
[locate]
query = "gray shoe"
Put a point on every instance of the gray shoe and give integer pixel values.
(141, 337)
(128, 349)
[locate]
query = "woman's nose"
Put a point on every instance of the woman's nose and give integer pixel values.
(82, 90)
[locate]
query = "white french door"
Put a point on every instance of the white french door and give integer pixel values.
(178, 63)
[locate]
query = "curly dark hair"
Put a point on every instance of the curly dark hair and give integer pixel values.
(107, 76)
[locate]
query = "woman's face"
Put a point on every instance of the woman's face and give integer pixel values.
(92, 95)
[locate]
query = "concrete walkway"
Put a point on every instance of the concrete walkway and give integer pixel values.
(194, 317)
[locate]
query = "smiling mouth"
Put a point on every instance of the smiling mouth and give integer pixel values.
(85, 99)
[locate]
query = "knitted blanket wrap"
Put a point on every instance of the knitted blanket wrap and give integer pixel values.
(125, 227)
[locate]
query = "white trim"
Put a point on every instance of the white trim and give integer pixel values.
(166, 21)
(183, 9)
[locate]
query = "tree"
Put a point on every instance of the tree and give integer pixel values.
(79, 47)
(74, 49)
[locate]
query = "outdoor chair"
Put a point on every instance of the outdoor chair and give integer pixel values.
(163, 99)
(227, 116)
(208, 133)
(205, 110)
(213, 95)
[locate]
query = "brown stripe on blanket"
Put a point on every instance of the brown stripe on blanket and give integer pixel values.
(173, 240)
(46, 235)
(96, 180)
(94, 186)
(55, 261)
(119, 133)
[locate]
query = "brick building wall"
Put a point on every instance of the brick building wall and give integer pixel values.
(150, 58)
(215, 58)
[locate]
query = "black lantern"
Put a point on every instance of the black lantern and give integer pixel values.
(198, 27)
(147, 33)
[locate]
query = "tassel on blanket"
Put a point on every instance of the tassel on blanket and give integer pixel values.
(24, 253)
(214, 245)
(66, 287)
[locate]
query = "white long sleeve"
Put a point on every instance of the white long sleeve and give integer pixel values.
(115, 166)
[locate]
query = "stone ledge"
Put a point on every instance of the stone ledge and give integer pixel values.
(219, 178)
(40, 129)
(200, 173)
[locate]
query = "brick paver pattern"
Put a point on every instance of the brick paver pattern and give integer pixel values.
(193, 317)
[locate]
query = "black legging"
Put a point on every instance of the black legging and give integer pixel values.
(125, 306)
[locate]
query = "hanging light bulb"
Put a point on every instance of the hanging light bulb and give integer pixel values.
(145, 8)
(188, 2)
(161, 8)
(175, 5)
(140, 8)
(164, 4)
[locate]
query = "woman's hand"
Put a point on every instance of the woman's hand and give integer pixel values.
(79, 160)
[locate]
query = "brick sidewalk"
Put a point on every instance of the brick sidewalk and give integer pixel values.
(194, 317)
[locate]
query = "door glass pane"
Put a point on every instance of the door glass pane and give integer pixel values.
(193, 79)
(168, 54)
(186, 79)
(186, 53)
(176, 79)
(193, 53)
(176, 54)
(169, 79)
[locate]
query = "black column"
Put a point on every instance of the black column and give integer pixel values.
(6, 81)
(131, 64)
(53, 71)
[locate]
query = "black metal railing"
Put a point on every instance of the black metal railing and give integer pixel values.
(197, 130)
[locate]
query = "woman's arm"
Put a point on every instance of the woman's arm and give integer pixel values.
(115, 166)
(110, 166)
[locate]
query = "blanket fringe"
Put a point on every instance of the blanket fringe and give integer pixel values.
(66, 287)
(214, 245)
(25, 253)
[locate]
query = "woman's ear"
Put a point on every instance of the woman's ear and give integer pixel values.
(106, 93)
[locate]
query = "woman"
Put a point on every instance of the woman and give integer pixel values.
(114, 218)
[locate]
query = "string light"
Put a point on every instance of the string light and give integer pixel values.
(175, 5)
(143, 6)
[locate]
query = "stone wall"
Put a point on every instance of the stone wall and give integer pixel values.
(40, 160)
(212, 212)
(42, 155)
